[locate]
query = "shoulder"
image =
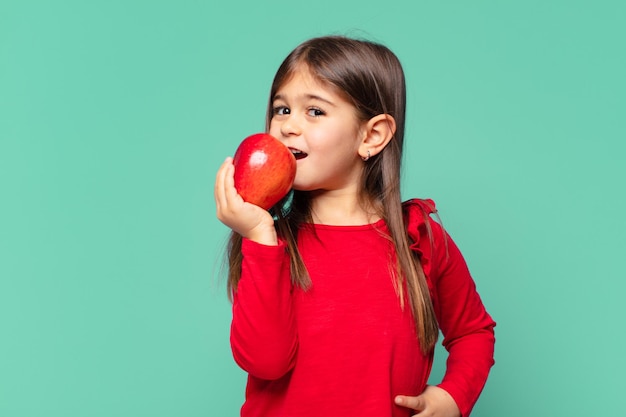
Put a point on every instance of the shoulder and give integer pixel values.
(417, 215)
(423, 204)
(427, 237)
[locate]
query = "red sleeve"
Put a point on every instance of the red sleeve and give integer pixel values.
(466, 326)
(263, 332)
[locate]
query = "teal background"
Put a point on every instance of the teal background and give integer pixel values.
(115, 115)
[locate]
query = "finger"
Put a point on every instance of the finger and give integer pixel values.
(414, 403)
(217, 190)
(232, 200)
(222, 174)
(230, 192)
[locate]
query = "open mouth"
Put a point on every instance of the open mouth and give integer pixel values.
(298, 154)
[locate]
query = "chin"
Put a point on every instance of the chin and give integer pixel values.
(302, 187)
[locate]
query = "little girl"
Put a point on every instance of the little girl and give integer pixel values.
(340, 290)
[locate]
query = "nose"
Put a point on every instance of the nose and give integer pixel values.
(290, 126)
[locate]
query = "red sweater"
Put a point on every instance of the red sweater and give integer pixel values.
(345, 347)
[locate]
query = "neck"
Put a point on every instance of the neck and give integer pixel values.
(341, 209)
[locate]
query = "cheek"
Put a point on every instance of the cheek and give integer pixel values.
(274, 130)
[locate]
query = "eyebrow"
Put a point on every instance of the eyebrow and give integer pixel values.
(307, 97)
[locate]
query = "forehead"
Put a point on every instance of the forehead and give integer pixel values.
(304, 79)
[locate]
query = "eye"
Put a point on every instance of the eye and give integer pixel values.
(315, 112)
(280, 110)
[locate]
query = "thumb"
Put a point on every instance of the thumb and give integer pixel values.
(414, 403)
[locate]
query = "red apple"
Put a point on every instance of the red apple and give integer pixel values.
(264, 170)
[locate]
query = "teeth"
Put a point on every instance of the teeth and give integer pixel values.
(297, 153)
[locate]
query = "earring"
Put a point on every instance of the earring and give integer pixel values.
(366, 158)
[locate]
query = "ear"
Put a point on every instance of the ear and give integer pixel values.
(379, 130)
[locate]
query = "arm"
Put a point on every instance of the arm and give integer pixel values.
(263, 336)
(263, 330)
(466, 325)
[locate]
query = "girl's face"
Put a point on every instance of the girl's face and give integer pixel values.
(321, 128)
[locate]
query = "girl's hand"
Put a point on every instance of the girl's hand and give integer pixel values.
(248, 220)
(433, 402)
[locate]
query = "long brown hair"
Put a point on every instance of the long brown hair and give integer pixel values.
(371, 77)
